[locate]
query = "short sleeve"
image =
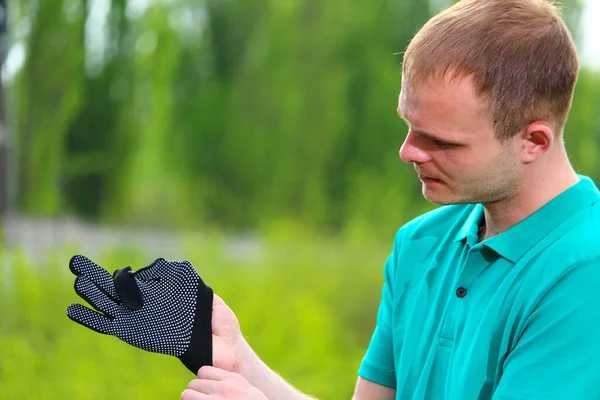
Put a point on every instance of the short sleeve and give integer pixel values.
(557, 355)
(378, 363)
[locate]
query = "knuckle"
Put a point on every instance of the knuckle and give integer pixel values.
(237, 377)
(230, 390)
(192, 384)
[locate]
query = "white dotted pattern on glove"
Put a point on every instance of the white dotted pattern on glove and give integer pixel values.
(163, 324)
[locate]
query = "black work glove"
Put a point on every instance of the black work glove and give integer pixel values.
(163, 308)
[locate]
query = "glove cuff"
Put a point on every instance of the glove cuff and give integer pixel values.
(199, 352)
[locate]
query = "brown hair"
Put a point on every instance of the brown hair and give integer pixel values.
(519, 53)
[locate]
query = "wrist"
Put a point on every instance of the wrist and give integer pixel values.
(246, 360)
(249, 365)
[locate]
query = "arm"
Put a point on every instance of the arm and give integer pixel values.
(557, 354)
(367, 390)
(377, 370)
(218, 384)
(377, 377)
(275, 387)
(232, 353)
(378, 363)
(255, 380)
(251, 367)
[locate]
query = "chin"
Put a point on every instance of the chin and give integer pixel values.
(442, 202)
(444, 199)
(439, 200)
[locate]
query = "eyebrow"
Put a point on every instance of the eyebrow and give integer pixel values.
(428, 135)
(434, 138)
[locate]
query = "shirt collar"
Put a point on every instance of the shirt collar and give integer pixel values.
(516, 241)
(470, 228)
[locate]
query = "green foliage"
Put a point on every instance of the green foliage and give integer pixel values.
(231, 114)
(268, 115)
(250, 113)
(48, 103)
(307, 308)
(582, 133)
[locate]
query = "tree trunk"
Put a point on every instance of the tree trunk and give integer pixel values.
(5, 143)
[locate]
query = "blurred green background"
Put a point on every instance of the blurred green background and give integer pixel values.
(256, 138)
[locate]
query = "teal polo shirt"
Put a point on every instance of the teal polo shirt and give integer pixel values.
(516, 316)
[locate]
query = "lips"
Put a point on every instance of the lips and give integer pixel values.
(423, 176)
(428, 179)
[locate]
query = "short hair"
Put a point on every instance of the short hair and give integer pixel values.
(519, 53)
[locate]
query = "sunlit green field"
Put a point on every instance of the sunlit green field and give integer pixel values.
(306, 306)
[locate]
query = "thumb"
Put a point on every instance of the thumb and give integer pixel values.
(218, 301)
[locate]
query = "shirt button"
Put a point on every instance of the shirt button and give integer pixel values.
(461, 292)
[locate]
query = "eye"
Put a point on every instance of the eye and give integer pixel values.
(443, 145)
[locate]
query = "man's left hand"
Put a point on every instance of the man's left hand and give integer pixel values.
(218, 384)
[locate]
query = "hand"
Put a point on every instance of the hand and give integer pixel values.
(217, 384)
(226, 335)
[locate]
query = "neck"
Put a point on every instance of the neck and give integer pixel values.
(542, 184)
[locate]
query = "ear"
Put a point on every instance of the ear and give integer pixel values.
(537, 138)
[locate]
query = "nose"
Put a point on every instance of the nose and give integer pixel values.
(412, 152)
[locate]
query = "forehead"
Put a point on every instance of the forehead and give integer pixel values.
(444, 105)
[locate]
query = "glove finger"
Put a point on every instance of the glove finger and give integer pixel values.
(90, 319)
(190, 273)
(88, 291)
(177, 269)
(81, 265)
(127, 286)
(153, 271)
(174, 272)
(188, 267)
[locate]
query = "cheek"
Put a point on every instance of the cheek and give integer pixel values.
(470, 166)
(457, 163)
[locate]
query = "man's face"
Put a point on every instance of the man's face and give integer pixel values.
(452, 145)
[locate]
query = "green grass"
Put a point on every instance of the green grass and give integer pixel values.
(306, 306)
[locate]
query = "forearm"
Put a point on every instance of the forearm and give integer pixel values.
(273, 386)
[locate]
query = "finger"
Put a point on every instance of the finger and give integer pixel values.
(205, 386)
(90, 319)
(189, 394)
(212, 373)
(80, 265)
(86, 289)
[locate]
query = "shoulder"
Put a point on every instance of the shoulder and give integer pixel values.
(581, 243)
(571, 261)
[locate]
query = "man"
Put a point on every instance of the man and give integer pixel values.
(496, 294)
